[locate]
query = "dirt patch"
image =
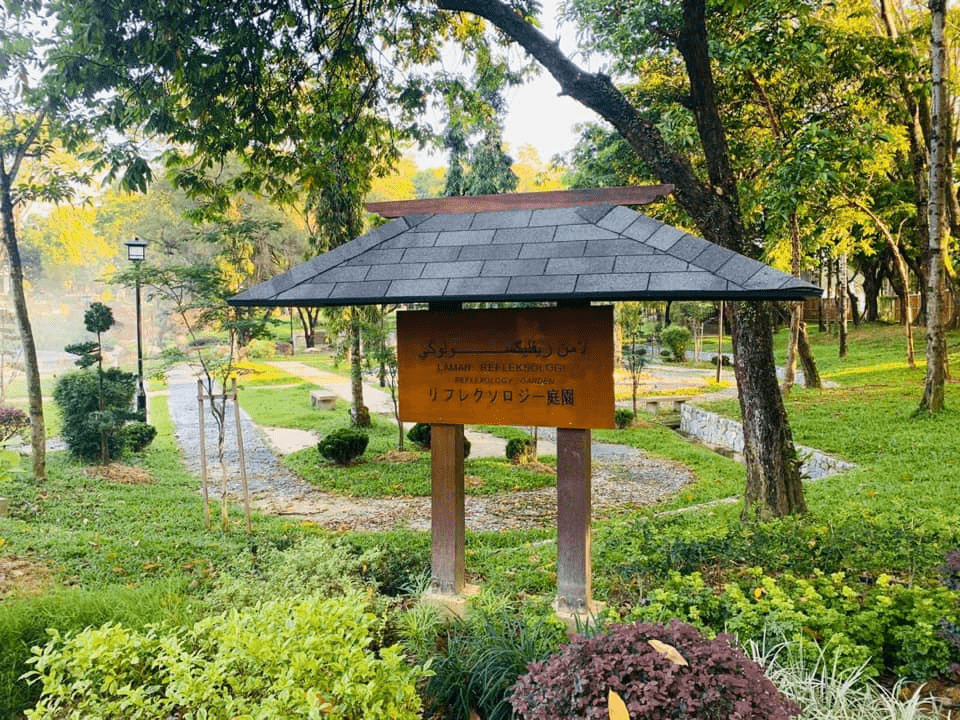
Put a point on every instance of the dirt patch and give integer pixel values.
(535, 466)
(22, 578)
(123, 474)
(399, 456)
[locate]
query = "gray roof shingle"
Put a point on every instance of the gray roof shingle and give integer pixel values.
(596, 252)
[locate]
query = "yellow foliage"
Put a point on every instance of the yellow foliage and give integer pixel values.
(75, 242)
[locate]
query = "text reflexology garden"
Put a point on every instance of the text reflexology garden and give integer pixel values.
(136, 611)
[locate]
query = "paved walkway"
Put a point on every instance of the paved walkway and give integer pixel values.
(265, 474)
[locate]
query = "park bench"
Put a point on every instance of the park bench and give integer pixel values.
(676, 402)
(322, 399)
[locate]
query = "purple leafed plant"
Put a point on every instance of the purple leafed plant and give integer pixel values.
(717, 681)
(13, 421)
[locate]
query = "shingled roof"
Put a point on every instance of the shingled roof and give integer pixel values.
(591, 252)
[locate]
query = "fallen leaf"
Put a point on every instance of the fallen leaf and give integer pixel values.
(617, 707)
(669, 652)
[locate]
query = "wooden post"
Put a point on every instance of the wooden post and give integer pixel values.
(719, 341)
(447, 509)
(243, 462)
(203, 458)
(574, 578)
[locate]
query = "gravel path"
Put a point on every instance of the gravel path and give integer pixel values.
(623, 477)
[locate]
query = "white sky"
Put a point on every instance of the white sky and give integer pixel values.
(537, 114)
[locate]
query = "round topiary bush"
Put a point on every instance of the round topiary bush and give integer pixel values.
(343, 446)
(419, 435)
(518, 449)
(622, 418)
(137, 436)
(662, 672)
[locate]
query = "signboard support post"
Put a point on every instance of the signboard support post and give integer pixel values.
(573, 521)
(447, 509)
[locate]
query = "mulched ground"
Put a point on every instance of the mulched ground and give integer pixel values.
(617, 487)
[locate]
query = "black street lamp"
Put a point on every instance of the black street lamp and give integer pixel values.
(137, 253)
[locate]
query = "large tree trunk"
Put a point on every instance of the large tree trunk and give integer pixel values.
(713, 205)
(31, 366)
(773, 488)
(937, 371)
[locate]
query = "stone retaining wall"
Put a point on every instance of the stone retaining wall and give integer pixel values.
(717, 431)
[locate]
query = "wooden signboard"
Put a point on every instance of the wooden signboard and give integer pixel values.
(551, 367)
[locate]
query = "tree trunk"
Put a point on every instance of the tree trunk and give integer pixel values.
(842, 303)
(790, 370)
(361, 415)
(308, 319)
(903, 276)
(796, 314)
(811, 375)
(773, 488)
(932, 400)
(872, 270)
(31, 366)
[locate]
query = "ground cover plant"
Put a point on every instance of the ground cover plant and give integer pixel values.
(115, 551)
(304, 657)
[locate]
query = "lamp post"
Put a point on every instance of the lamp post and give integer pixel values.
(137, 253)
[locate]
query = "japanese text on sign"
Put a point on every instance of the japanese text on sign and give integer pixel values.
(551, 367)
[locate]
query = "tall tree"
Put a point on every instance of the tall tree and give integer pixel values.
(940, 186)
(33, 120)
(773, 485)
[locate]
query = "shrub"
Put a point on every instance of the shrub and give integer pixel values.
(78, 396)
(25, 624)
(950, 631)
(261, 350)
(623, 418)
(677, 338)
(308, 657)
(708, 680)
(318, 565)
(518, 449)
(482, 658)
(13, 421)
(889, 628)
(137, 436)
(344, 445)
(419, 435)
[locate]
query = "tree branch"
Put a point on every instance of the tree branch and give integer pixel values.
(598, 93)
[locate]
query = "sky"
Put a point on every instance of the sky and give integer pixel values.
(537, 114)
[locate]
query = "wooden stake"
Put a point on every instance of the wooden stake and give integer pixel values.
(203, 458)
(243, 462)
